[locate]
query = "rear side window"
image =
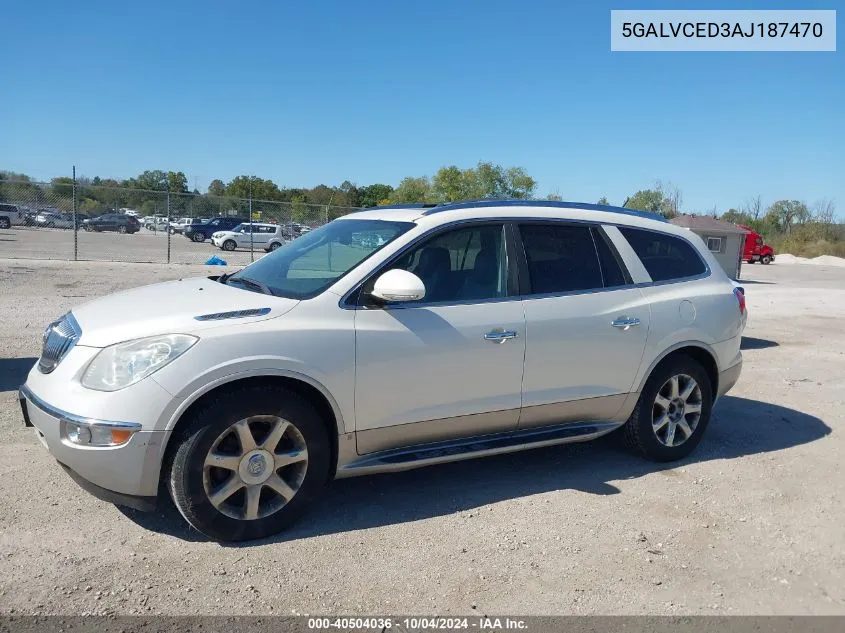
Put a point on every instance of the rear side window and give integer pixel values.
(612, 267)
(664, 256)
(561, 258)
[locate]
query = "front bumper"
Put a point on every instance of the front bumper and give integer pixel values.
(125, 474)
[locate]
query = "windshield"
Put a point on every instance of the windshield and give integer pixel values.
(306, 266)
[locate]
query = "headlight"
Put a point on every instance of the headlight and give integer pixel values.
(121, 365)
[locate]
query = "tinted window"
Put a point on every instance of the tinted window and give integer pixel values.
(560, 258)
(664, 256)
(461, 265)
(611, 266)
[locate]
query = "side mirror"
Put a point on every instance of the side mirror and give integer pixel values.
(398, 285)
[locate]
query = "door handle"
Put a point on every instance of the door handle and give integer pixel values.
(625, 322)
(500, 336)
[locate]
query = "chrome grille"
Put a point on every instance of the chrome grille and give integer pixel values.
(59, 337)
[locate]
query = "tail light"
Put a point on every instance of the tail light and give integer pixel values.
(739, 293)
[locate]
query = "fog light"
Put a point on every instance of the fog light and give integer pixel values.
(78, 434)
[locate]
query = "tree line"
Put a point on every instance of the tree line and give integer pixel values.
(789, 224)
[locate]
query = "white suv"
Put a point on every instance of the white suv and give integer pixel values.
(389, 339)
(246, 235)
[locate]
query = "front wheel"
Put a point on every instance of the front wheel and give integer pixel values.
(5, 223)
(672, 412)
(229, 245)
(197, 237)
(766, 260)
(249, 462)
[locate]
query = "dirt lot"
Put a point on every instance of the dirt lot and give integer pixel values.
(752, 523)
(143, 246)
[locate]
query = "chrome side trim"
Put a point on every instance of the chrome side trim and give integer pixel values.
(441, 429)
(52, 411)
(482, 446)
(234, 314)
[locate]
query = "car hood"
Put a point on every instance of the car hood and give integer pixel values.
(172, 307)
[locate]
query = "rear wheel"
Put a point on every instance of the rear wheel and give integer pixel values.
(229, 245)
(766, 259)
(672, 412)
(5, 223)
(121, 229)
(274, 246)
(248, 463)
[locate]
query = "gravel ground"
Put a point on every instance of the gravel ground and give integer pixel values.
(751, 523)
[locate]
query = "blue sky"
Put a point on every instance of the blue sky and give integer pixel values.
(321, 91)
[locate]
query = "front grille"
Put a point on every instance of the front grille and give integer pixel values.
(59, 337)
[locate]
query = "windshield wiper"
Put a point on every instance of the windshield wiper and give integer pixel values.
(251, 283)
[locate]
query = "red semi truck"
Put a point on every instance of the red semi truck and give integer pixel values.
(755, 250)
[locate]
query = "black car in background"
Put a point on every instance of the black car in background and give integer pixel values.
(199, 231)
(113, 222)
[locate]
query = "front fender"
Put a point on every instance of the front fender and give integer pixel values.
(238, 370)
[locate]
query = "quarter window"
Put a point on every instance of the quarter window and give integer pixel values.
(664, 256)
(561, 258)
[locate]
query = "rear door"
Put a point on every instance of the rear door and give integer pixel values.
(586, 325)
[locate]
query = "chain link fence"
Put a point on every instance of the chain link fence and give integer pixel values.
(79, 221)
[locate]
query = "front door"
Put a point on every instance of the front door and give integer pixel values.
(450, 365)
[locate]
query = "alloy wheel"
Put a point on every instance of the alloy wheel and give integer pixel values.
(255, 467)
(677, 410)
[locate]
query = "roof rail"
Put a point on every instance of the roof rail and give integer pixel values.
(410, 205)
(471, 204)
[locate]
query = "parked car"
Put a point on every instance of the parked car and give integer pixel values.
(755, 250)
(199, 231)
(246, 235)
(113, 222)
(178, 226)
(474, 329)
(153, 222)
(157, 223)
(54, 219)
(11, 214)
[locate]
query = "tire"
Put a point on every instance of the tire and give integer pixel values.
(5, 223)
(766, 260)
(274, 246)
(51, 225)
(229, 245)
(188, 477)
(639, 431)
(121, 229)
(197, 237)
(173, 231)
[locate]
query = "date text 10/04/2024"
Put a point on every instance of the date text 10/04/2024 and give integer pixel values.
(419, 624)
